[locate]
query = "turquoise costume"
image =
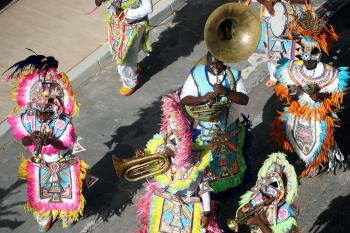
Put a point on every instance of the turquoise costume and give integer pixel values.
(225, 139)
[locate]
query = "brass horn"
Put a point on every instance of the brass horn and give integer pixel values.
(139, 168)
(241, 217)
(232, 32)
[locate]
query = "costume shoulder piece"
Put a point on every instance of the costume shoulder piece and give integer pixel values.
(296, 73)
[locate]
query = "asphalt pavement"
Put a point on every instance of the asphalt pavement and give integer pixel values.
(110, 124)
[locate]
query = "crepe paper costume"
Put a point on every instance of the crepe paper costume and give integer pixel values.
(176, 199)
(128, 32)
(307, 124)
(225, 136)
(54, 183)
(277, 179)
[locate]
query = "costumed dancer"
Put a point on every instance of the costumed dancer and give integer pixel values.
(54, 175)
(128, 32)
(276, 39)
(225, 134)
(178, 200)
(213, 91)
(269, 207)
(313, 92)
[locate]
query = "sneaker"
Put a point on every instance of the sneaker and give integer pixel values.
(44, 228)
(126, 91)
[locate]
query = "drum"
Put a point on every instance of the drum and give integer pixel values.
(282, 20)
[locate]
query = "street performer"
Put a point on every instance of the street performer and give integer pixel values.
(276, 39)
(209, 82)
(128, 32)
(269, 207)
(313, 92)
(54, 175)
(213, 92)
(178, 200)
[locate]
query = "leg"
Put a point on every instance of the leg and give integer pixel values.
(44, 224)
(128, 71)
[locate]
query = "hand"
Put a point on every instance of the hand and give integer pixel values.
(246, 208)
(169, 152)
(46, 140)
(98, 2)
(269, 7)
(36, 137)
(209, 97)
(270, 83)
(220, 90)
(204, 221)
(255, 220)
(139, 153)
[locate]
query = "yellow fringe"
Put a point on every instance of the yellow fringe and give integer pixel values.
(22, 169)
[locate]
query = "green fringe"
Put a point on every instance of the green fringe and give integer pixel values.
(233, 181)
(224, 184)
(285, 226)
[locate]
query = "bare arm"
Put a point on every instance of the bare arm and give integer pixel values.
(238, 98)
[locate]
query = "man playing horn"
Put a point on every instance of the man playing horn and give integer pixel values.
(178, 200)
(54, 175)
(128, 31)
(214, 82)
(272, 198)
(313, 93)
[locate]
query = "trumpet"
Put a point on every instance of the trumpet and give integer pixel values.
(242, 217)
(139, 168)
(37, 151)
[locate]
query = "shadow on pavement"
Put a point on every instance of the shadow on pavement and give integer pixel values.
(4, 3)
(334, 219)
(102, 199)
(180, 39)
(7, 215)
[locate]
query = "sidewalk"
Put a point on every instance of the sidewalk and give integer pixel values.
(58, 28)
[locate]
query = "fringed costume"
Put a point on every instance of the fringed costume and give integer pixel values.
(128, 32)
(54, 176)
(178, 199)
(277, 181)
(313, 97)
(225, 135)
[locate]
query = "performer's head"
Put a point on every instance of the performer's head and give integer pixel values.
(176, 127)
(42, 88)
(310, 52)
(277, 180)
(215, 66)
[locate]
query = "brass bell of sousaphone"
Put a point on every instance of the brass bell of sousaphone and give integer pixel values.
(232, 33)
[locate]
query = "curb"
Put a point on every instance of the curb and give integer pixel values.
(101, 56)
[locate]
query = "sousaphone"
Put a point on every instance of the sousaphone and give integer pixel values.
(232, 33)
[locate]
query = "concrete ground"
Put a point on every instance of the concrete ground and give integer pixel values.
(110, 124)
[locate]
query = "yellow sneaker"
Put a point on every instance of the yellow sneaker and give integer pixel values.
(126, 91)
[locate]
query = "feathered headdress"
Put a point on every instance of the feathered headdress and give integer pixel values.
(308, 24)
(277, 163)
(173, 118)
(40, 86)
